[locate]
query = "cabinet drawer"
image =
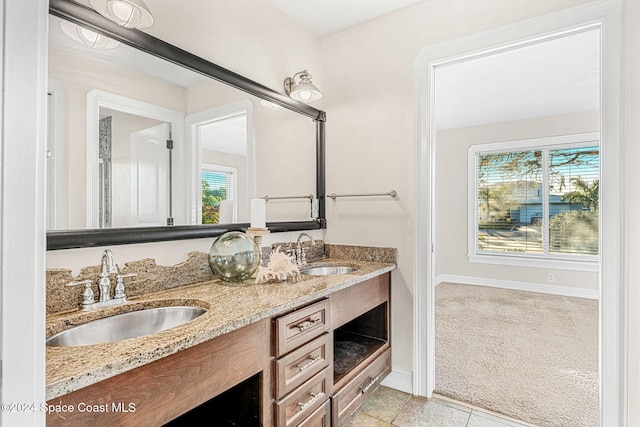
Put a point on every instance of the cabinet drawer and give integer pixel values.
(320, 418)
(301, 326)
(298, 366)
(356, 391)
(303, 401)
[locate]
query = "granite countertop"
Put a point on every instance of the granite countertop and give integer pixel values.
(230, 306)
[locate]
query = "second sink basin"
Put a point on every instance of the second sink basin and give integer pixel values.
(328, 270)
(126, 325)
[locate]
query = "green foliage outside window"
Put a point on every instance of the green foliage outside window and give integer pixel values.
(211, 203)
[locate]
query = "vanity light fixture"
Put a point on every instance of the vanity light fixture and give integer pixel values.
(126, 13)
(270, 105)
(304, 90)
(87, 37)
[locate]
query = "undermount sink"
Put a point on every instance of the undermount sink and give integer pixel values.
(328, 270)
(126, 325)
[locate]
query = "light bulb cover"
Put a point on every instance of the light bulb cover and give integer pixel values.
(126, 13)
(87, 37)
(302, 91)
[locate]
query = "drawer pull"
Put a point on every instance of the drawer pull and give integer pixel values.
(371, 382)
(310, 361)
(304, 326)
(314, 397)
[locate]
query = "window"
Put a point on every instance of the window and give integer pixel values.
(218, 194)
(535, 200)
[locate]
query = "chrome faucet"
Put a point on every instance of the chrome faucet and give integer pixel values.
(301, 257)
(107, 266)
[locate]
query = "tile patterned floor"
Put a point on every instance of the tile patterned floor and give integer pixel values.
(392, 408)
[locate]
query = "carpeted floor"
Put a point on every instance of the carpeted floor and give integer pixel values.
(530, 356)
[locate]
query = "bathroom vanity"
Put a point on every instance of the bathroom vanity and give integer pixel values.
(303, 353)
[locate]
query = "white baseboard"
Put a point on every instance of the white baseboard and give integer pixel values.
(399, 380)
(520, 286)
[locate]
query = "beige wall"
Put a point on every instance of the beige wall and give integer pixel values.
(369, 89)
(452, 202)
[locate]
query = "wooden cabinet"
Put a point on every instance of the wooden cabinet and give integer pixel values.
(303, 374)
(287, 371)
(362, 353)
(294, 408)
(295, 368)
(353, 349)
(298, 327)
(348, 398)
(320, 418)
(160, 391)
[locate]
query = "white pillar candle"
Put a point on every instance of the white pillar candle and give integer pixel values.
(258, 213)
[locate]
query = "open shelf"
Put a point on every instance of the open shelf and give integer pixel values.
(358, 339)
(237, 407)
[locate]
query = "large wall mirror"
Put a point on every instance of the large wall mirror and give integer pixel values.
(148, 142)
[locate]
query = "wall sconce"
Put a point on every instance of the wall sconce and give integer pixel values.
(126, 13)
(304, 90)
(87, 37)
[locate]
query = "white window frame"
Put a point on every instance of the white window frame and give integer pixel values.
(234, 187)
(552, 261)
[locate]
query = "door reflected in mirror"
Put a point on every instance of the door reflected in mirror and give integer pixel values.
(114, 112)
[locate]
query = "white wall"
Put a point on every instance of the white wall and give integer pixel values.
(23, 79)
(631, 119)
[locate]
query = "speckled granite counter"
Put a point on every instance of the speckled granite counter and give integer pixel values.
(230, 306)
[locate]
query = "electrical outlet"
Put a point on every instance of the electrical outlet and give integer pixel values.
(551, 277)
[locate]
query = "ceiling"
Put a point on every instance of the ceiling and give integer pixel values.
(549, 78)
(554, 77)
(324, 17)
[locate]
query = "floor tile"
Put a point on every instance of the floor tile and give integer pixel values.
(482, 419)
(428, 413)
(385, 403)
(452, 403)
(359, 419)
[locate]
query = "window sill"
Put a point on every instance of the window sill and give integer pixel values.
(534, 262)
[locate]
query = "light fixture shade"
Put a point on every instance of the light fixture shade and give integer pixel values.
(87, 37)
(126, 13)
(270, 105)
(304, 90)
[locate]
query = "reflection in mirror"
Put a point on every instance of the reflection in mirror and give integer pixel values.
(138, 141)
(133, 165)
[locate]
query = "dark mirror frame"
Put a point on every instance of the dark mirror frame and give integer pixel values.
(82, 15)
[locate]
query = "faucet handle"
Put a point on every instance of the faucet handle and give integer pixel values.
(120, 290)
(87, 296)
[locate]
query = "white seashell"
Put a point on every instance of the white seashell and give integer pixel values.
(280, 267)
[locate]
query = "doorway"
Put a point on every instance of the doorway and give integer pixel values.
(130, 146)
(222, 161)
(592, 16)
